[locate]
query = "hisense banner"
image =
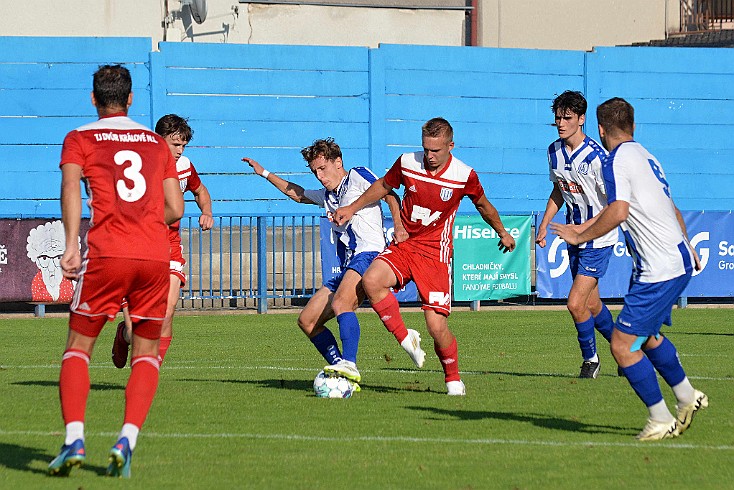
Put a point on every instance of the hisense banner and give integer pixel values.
(480, 270)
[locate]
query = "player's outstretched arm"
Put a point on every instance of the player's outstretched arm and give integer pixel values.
(293, 191)
(174, 200)
(608, 218)
(378, 190)
(204, 201)
(555, 201)
(393, 202)
(492, 218)
(71, 215)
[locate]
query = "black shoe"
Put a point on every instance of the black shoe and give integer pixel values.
(589, 369)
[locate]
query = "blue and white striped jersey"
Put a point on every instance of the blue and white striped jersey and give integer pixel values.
(654, 237)
(579, 177)
(364, 232)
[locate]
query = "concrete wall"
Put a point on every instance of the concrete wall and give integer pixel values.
(574, 24)
(546, 24)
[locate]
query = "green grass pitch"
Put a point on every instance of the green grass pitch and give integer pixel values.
(235, 409)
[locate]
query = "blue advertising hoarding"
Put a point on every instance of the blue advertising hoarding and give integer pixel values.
(711, 234)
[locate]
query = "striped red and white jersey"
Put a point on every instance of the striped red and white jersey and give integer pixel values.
(430, 201)
(188, 180)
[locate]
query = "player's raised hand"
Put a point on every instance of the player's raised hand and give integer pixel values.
(507, 243)
(256, 167)
(70, 263)
(568, 232)
(343, 215)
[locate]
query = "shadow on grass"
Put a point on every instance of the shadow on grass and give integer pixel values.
(723, 334)
(539, 420)
(15, 457)
(55, 384)
(307, 386)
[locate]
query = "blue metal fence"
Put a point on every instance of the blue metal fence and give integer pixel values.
(258, 257)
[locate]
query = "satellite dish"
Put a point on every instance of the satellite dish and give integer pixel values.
(198, 10)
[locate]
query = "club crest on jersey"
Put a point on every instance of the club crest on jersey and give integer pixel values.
(182, 184)
(584, 167)
(446, 193)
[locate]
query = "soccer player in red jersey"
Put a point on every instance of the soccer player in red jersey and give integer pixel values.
(434, 182)
(177, 133)
(130, 177)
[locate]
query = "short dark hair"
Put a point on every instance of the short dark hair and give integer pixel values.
(616, 115)
(111, 86)
(437, 127)
(570, 101)
(322, 148)
(173, 124)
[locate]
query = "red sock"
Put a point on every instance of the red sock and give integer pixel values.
(163, 346)
(388, 310)
(74, 385)
(449, 358)
(140, 389)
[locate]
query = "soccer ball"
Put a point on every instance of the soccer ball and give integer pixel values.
(332, 386)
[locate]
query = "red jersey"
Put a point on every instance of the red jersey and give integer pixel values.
(430, 201)
(123, 165)
(188, 180)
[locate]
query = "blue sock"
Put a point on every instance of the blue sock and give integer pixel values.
(326, 344)
(587, 338)
(349, 333)
(604, 322)
(644, 381)
(665, 359)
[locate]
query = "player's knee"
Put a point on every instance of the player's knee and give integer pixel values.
(576, 308)
(306, 324)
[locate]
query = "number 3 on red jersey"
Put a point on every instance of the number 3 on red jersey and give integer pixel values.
(133, 173)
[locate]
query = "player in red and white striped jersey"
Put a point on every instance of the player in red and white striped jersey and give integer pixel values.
(177, 133)
(435, 182)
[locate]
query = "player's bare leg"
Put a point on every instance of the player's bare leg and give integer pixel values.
(312, 321)
(377, 281)
(174, 293)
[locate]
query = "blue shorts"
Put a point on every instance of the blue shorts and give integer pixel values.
(592, 262)
(359, 264)
(647, 306)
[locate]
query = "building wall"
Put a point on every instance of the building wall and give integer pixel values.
(574, 24)
(546, 24)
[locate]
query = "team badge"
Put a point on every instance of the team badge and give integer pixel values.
(446, 193)
(584, 168)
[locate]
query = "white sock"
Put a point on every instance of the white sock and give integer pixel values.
(660, 413)
(131, 432)
(74, 431)
(684, 392)
(593, 359)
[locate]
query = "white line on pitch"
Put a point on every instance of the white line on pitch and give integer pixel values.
(413, 440)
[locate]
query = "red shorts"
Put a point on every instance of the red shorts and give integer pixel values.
(177, 259)
(104, 282)
(431, 276)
